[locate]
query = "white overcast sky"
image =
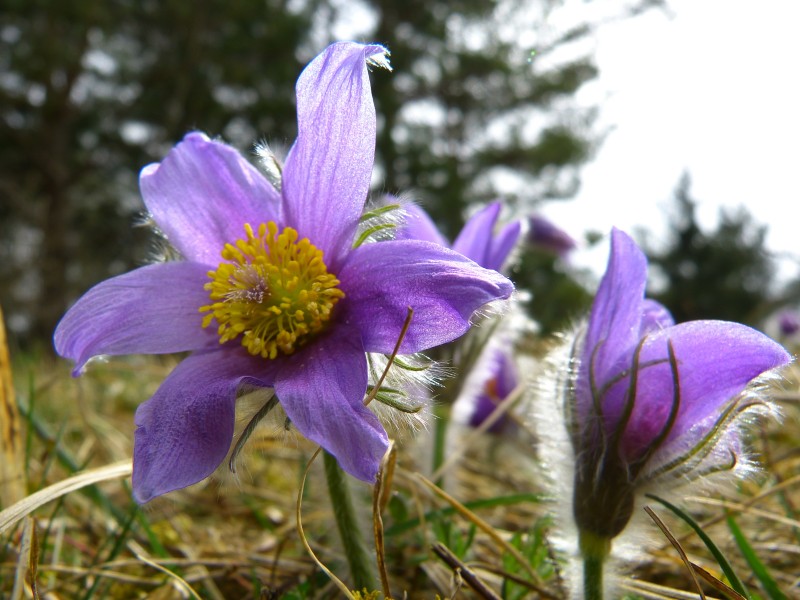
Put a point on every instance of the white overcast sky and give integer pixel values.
(713, 90)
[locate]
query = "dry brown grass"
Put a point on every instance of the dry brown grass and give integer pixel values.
(236, 538)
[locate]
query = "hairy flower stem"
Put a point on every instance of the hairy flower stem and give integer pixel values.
(594, 550)
(362, 567)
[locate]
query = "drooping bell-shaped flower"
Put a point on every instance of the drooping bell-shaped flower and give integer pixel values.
(645, 401)
(275, 290)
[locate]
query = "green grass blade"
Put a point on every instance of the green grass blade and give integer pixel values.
(759, 568)
(510, 500)
(723, 563)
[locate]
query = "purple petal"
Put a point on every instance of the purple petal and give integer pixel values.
(500, 380)
(152, 310)
(655, 317)
(615, 318)
(185, 430)
(502, 245)
(475, 238)
(327, 173)
(716, 360)
(419, 226)
(443, 287)
(203, 193)
(507, 377)
(322, 389)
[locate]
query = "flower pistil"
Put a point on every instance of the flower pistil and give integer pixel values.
(273, 289)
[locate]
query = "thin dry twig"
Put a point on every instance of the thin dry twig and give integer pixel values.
(27, 562)
(467, 576)
(338, 582)
(675, 544)
(392, 356)
(653, 591)
(745, 508)
(482, 525)
(785, 484)
(717, 584)
(182, 583)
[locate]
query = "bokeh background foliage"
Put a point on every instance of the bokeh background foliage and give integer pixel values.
(481, 105)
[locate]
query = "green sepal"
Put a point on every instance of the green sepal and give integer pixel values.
(365, 235)
(377, 212)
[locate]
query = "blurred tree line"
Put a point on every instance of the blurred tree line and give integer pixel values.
(724, 273)
(481, 105)
(90, 92)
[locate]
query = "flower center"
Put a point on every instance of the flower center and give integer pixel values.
(274, 291)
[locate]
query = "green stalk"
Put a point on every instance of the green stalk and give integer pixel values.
(362, 567)
(594, 550)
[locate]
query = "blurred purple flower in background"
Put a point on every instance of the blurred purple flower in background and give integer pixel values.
(493, 375)
(542, 233)
(493, 378)
(650, 401)
(272, 292)
(789, 322)
(477, 239)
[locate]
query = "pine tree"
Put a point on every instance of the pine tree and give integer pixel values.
(723, 274)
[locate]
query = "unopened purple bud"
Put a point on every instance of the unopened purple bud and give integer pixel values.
(652, 397)
(789, 322)
(648, 402)
(543, 234)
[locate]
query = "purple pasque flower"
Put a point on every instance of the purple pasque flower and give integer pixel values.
(272, 291)
(544, 234)
(477, 239)
(789, 322)
(651, 400)
(494, 376)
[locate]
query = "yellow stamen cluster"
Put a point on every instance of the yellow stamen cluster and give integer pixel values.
(273, 290)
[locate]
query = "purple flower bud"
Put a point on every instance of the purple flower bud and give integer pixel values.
(651, 397)
(646, 401)
(542, 233)
(789, 322)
